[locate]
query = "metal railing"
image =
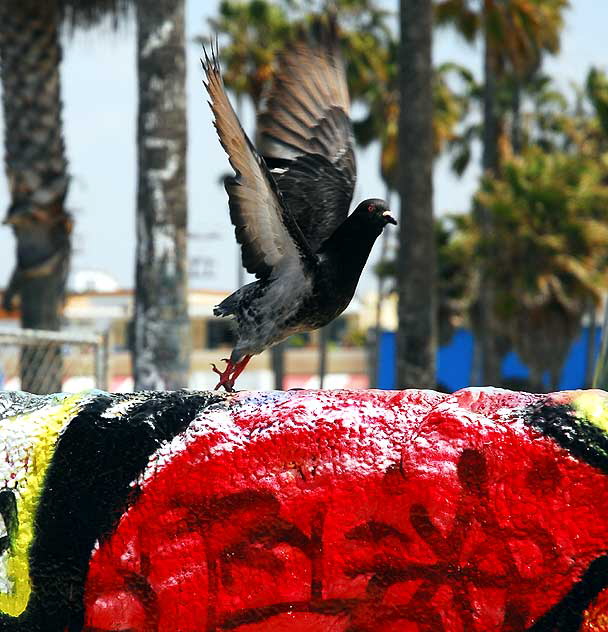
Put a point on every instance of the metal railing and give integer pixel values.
(42, 362)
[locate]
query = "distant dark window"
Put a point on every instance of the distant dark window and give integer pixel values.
(122, 335)
(219, 333)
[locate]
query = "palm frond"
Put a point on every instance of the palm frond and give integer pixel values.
(88, 13)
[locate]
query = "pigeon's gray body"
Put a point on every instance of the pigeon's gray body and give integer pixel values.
(290, 197)
(266, 312)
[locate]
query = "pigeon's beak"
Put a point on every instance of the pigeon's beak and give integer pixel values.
(388, 218)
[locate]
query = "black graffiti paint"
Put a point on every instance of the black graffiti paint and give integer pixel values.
(87, 488)
(581, 438)
(590, 444)
(567, 615)
(8, 513)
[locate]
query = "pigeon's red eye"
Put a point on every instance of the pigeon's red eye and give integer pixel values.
(370, 208)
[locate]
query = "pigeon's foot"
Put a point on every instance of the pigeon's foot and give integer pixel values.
(230, 373)
(225, 376)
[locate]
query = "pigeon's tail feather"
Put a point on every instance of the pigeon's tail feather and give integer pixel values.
(228, 307)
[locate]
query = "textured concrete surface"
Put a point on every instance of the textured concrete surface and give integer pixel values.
(309, 511)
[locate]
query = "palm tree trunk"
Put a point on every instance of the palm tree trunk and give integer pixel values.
(491, 124)
(516, 130)
(590, 350)
(323, 343)
(537, 382)
(36, 168)
(162, 330)
(416, 272)
(475, 374)
(488, 333)
(277, 357)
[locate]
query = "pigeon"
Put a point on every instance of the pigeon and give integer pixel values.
(290, 196)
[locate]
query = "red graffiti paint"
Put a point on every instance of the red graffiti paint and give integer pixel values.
(371, 511)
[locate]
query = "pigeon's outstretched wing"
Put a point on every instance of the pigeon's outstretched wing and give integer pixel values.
(268, 234)
(305, 134)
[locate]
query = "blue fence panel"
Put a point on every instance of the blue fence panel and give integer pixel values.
(454, 362)
(386, 360)
(573, 372)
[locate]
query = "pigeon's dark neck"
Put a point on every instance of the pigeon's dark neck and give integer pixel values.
(349, 246)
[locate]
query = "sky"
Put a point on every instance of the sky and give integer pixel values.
(99, 83)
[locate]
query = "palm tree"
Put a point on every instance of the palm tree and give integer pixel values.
(382, 124)
(36, 166)
(455, 275)
(552, 125)
(515, 34)
(161, 336)
(597, 91)
(256, 31)
(416, 274)
(549, 214)
(38, 178)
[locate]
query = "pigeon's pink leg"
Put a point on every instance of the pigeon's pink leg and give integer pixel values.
(239, 368)
(225, 374)
(230, 373)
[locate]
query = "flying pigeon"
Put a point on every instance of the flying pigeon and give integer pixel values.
(289, 199)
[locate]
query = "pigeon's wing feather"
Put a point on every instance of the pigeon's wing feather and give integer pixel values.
(305, 134)
(319, 193)
(268, 233)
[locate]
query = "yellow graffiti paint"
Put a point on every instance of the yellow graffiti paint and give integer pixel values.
(593, 406)
(36, 434)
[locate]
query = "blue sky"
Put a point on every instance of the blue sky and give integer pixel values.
(99, 94)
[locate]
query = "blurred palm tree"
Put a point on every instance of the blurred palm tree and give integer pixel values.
(549, 213)
(30, 52)
(161, 334)
(515, 35)
(543, 122)
(455, 275)
(597, 91)
(452, 85)
(253, 32)
(36, 164)
(417, 270)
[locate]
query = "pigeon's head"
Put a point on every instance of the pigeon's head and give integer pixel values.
(377, 211)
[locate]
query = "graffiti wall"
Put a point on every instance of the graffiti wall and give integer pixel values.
(306, 511)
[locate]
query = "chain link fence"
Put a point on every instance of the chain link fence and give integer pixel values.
(43, 362)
